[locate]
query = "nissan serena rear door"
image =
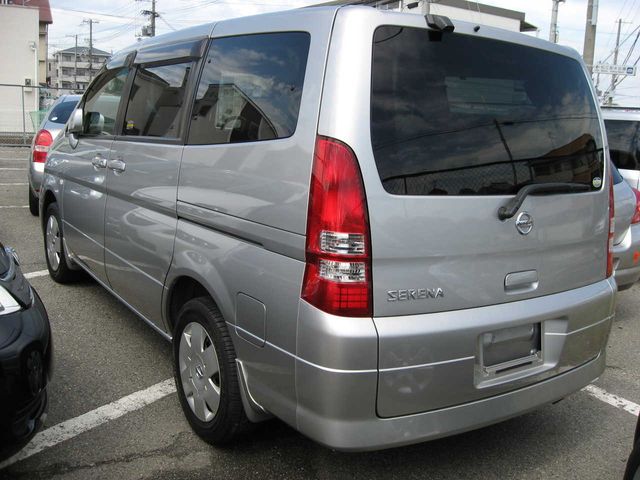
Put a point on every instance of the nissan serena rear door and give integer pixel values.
(448, 128)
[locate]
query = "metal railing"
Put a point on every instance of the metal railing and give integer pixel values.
(22, 109)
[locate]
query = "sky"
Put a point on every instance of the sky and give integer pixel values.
(120, 21)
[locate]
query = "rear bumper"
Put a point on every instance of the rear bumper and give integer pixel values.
(626, 257)
(350, 399)
(36, 173)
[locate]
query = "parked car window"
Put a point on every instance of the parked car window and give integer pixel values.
(156, 102)
(101, 103)
(250, 88)
(444, 122)
(617, 178)
(624, 143)
(61, 112)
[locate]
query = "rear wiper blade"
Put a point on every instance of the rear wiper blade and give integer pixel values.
(512, 206)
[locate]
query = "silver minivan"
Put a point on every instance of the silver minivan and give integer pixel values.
(343, 219)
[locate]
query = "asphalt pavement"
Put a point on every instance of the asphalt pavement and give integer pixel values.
(103, 353)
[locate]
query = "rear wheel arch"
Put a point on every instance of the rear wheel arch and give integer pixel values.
(49, 198)
(181, 290)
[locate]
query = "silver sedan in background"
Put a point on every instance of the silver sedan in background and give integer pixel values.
(52, 124)
(626, 249)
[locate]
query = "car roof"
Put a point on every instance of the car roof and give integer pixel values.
(207, 30)
(621, 113)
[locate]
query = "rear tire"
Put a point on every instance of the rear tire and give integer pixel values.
(206, 373)
(54, 251)
(33, 203)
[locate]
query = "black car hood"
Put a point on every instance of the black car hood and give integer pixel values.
(14, 282)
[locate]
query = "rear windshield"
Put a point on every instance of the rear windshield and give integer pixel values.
(624, 143)
(62, 111)
(456, 115)
(5, 261)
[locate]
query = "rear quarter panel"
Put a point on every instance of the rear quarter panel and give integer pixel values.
(242, 212)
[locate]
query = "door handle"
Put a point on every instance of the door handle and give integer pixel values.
(99, 162)
(117, 165)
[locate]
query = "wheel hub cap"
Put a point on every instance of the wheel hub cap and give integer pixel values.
(199, 371)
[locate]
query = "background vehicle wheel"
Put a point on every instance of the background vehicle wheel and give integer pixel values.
(57, 261)
(33, 203)
(206, 373)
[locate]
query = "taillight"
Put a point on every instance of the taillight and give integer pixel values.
(41, 146)
(337, 276)
(636, 215)
(611, 229)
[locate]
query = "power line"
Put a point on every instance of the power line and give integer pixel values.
(86, 12)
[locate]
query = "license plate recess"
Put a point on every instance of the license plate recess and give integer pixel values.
(508, 349)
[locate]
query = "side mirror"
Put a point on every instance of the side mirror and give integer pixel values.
(75, 124)
(95, 123)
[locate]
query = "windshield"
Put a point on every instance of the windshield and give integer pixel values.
(61, 112)
(444, 122)
(624, 143)
(5, 261)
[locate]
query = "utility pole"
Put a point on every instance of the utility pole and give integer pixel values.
(150, 31)
(553, 30)
(590, 34)
(75, 62)
(615, 62)
(153, 18)
(90, 21)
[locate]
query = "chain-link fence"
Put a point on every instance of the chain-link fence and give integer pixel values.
(22, 109)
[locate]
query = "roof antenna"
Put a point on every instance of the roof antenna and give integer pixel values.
(440, 22)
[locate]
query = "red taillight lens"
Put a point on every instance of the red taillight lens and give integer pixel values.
(41, 146)
(636, 215)
(337, 277)
(611, 229)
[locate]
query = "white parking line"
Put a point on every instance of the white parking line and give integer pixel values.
(613, 400)
(12, 184)
(14, 169)
(90, 420)
(14, 206)
(39, 273)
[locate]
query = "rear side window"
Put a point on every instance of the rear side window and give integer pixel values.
(156, 102)
(624, 143)
(250, 89)
(61, 112)
(444, 122)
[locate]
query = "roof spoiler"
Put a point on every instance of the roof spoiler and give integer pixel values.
(440, 23)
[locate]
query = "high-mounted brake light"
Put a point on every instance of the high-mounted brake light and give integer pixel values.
(337, 276)
(610, 239)
(41, 146)
(636, 215)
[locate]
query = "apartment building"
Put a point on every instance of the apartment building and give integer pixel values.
(73, 69)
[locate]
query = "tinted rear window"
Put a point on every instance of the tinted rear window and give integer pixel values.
(62, 111)
(624, 143)
(5, 262)
(250, 89)
(447, 122)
